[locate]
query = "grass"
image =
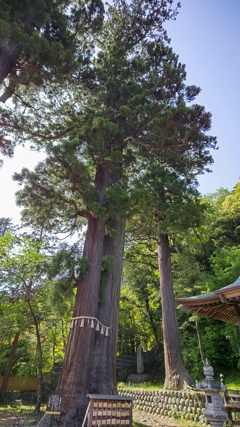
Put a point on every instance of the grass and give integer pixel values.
(142, 386)
(183, 423)
(233, 381)
(26, 409)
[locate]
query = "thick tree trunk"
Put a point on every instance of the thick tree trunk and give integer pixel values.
(74, 382)
(9, 367)
(75, 377)
(103, 375)
(90, 361)
(176, 375)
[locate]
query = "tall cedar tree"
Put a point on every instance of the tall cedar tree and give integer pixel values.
(130, 104)
(170, 204)
(22, 271)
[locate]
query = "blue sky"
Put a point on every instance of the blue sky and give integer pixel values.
(206, 35)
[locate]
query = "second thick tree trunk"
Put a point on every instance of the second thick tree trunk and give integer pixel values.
(176, 375)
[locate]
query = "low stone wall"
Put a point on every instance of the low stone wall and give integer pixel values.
(187, 405)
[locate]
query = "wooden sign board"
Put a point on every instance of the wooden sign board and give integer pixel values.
(54, 404)
(109, 410)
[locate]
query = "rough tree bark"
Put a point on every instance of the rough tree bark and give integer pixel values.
(76, 370)
(103, 373)
(75, 376)
(90, 360)
(176, 375)
(88, 350)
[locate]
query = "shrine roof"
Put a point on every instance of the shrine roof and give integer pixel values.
(222, 304)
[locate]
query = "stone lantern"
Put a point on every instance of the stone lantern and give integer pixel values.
(214, 411)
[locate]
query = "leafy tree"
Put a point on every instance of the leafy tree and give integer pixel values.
(231, 203)
(127, 109)
(141, 285)
(171, 207)
(64, 271)
(22, 268)
(226, 230)
(5, 224)
(209, 254)
(6, 334)
(130, 333)
(225, 267)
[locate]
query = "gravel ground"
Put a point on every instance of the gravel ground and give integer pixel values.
(147, 420)
(7, 419)
(142, 418)
(12, 419)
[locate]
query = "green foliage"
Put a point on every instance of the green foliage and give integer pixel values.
(66, 269)
(203, 264)
(224, 225)
(47, 36)
(219, 343)
(26, 303)
(134, 327)
(232, 380)
(140, 312)
(24, 360)
(225, 267)
(42, 42)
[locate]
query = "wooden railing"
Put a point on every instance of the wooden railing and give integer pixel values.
(232, 406)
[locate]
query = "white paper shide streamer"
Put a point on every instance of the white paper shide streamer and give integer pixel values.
(92, 322)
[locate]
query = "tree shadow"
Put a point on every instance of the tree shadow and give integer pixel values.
(141, 425)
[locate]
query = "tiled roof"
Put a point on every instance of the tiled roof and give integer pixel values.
(222, 304)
